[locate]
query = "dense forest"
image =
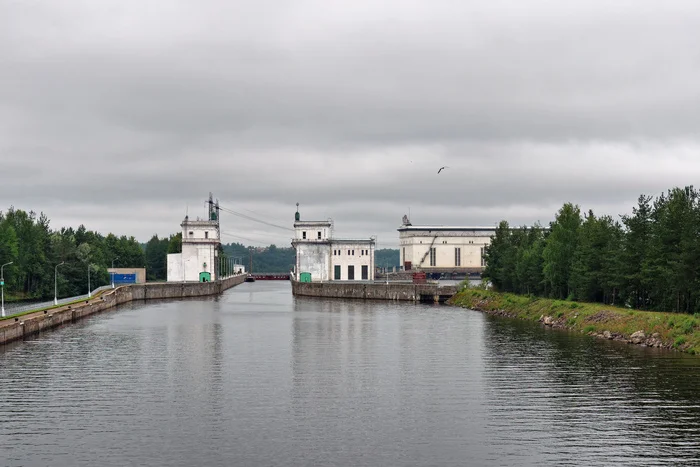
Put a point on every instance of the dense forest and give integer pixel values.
(648, 260)
(34, 249)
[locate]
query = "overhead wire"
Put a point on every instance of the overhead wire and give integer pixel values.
(251, 218)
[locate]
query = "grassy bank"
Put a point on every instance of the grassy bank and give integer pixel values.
(667, 330)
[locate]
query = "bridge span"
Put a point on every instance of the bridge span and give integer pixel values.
(270, 276)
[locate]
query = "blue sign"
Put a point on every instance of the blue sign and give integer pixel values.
(124, 278)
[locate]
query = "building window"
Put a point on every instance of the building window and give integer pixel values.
(483, 260)
(191, 234)
(404, 254)
(206, 234)
(348, 252)
(458, 256)
(336, 272)
(351, 273)
(303, 235)
(365, 272)
(353, 252)
(432, 256)
(319, 235)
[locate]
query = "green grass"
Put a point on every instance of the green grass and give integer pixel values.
(24, 313)
(676, 330)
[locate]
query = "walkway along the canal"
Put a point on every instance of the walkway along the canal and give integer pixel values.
(20, 327)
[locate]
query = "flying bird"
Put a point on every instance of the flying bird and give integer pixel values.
(445, 167)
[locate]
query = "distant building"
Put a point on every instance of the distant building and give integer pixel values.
(200, 250)
(127, 275)
(325, 258)
(443, 249)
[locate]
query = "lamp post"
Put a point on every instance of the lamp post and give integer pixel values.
(55, 283)
(89, 288)
(112, 273)
(2, 287)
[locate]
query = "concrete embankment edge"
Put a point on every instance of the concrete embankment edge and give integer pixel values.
(374, 291)
(29, 325)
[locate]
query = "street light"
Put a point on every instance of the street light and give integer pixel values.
(89, 288)
(112, 273)
(2, 287)
(55, 283)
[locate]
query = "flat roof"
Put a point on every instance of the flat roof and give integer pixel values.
(405, 228)
(352, 240)
(303, 223)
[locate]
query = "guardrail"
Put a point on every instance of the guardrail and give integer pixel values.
(13, 310)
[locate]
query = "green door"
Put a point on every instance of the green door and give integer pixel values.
(204, 277)
(305, 277)
(336, 272)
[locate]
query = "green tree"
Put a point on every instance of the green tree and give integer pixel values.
(559, 250)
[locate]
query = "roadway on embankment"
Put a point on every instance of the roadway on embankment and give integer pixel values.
(19, 327)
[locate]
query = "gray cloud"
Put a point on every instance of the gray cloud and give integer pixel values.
(120, 116)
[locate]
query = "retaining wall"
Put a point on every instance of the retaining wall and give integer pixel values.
(375, 291)
(24, 326)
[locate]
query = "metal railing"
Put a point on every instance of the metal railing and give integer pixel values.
(11, 309)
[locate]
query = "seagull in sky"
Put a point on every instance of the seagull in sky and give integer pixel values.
(445, 167)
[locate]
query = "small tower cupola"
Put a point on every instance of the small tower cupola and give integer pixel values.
(297, 217)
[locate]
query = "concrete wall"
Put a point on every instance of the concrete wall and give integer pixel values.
(375, 291)
(314, 258)
(350, 254)
(28, 325)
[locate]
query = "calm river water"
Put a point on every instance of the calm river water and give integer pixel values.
(258, 378)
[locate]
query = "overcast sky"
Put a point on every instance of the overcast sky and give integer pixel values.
(124, 114)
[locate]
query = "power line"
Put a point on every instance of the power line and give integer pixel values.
(250, 218)
(244, 238)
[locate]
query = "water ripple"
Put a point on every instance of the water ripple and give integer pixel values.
(257, 377)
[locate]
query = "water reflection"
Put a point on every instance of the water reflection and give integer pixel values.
(256, 377)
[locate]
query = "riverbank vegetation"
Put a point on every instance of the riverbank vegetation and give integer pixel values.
(649, 260)
(650, 328)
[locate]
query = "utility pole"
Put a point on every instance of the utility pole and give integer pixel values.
(55, 283)
(2, 286)
(112, 273)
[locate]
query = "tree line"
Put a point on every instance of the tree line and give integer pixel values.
(35, 250)
(648, 260)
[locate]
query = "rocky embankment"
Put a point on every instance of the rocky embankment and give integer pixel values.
(645, 328)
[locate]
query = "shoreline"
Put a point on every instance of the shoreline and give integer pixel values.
(24, 325)
(673, 331)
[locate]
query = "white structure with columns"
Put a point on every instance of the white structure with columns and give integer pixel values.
(200, 252)
(443, 249)
(327, 258)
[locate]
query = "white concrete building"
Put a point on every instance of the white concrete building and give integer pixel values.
(443, 249)
(200, 252)
(330, 259)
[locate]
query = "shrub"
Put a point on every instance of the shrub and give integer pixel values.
(589, 328)
(688, 326)
(679, 341)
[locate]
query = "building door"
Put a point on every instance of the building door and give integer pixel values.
(351, 273)
(336, 272)
(365, 272)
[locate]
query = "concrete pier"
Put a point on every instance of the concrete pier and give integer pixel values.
(376, 291)
(21, 327)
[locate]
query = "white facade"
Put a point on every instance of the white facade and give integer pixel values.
(329, 259)
(200, 252)
(444, 249)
